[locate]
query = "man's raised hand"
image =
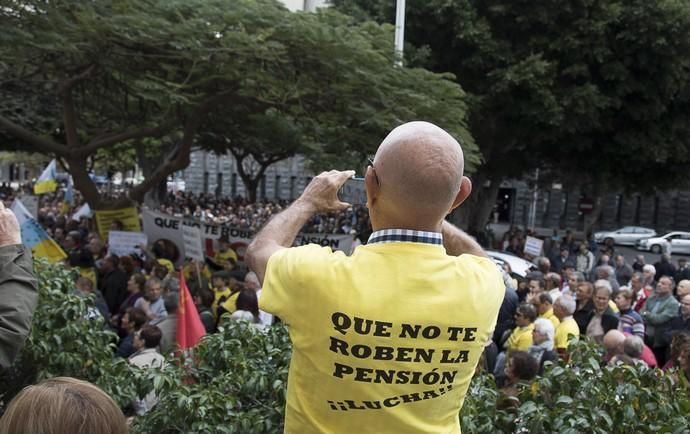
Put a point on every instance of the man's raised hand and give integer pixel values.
(321, 195)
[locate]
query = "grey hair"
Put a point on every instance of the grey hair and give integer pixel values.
(568, 303)
(603, 284)
(633, 346)
(545, 327)
(649, 268)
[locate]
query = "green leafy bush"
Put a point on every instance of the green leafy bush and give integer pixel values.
(237, 384)
(583, 396)
(63, 342)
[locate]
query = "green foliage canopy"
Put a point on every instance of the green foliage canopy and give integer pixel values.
(82, 77)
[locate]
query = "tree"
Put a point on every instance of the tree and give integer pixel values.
(83, 77)
(350, 96)
(557, 84)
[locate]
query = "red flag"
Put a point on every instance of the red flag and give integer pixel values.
(189, 327)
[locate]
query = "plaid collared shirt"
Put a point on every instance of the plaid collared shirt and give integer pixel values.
(406, 236)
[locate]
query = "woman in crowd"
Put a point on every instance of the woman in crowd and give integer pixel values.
(132, 321)
(135, 290)
(542, 338)
(247, 307)
(63, 405)
(629, 321)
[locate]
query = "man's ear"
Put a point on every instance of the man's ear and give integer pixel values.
(371, 185)
(464, 193)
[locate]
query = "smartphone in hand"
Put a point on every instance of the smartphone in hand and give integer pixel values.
(353, 192)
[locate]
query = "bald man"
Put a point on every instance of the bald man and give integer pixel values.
(385, 340)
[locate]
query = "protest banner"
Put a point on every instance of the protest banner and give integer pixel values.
(533, 246)
(191, 237)
(128, 216)
(122, 243)
(159, 226)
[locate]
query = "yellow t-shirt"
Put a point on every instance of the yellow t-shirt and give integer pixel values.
(566, 328)
(220, 296)
(385, 340)
(551, 317)
(520, 339)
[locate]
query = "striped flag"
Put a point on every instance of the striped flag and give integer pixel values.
(47, 182)
(35, 237)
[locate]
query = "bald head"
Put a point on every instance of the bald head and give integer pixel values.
(613, 342)
(420, 168)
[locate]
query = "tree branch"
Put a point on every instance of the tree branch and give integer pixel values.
(105, 140)
(38, 143)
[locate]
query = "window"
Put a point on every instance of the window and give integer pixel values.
(638, 205)
(233, 185)
(655, 218)
(219, 184)
(293, 182)
(262, 187)
(205, 187)
(276, 187)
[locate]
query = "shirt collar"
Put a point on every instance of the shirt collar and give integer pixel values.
(405, 236)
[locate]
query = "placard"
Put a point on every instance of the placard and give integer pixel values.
(123, 243)
(533, 246)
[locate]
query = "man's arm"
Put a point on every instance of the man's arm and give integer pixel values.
(280, 232)
(457, 242)
(18, 289)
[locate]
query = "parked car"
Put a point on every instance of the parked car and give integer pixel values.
(676, 242)
(518, 266)
(628, 235)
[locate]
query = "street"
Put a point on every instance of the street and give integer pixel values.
(650, 258)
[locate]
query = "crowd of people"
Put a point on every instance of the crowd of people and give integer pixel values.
(639, 313)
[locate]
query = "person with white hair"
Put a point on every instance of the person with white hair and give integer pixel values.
(564, 308)
(542, 338)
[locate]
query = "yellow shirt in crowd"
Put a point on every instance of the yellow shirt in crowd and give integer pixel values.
(520, 339)
(551, 317)
(568, 327)
(384, 341)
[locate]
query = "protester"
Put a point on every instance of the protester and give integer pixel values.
(84, 288)
(629, 321)
(544, 306)
(152, 303)
(112, 283)
(613, 346)
(203, 301)
(567, 329)
(136, 286)
(132, 321)
(584, 260)
(147, 356)
(247, 307)
(602, 318)
(657, 315)
(640, 292)
(18, 288)
(64, 405)
(542, 348)
(520, 367)
(168, 325)
(408, 273)
(585, 306)
(623, 271)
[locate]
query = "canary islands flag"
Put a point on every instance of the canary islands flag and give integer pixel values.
(35, 237)
(47, 182)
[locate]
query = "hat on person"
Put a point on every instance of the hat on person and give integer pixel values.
(167, 264)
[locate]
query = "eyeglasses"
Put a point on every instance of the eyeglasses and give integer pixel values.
(371, 163)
